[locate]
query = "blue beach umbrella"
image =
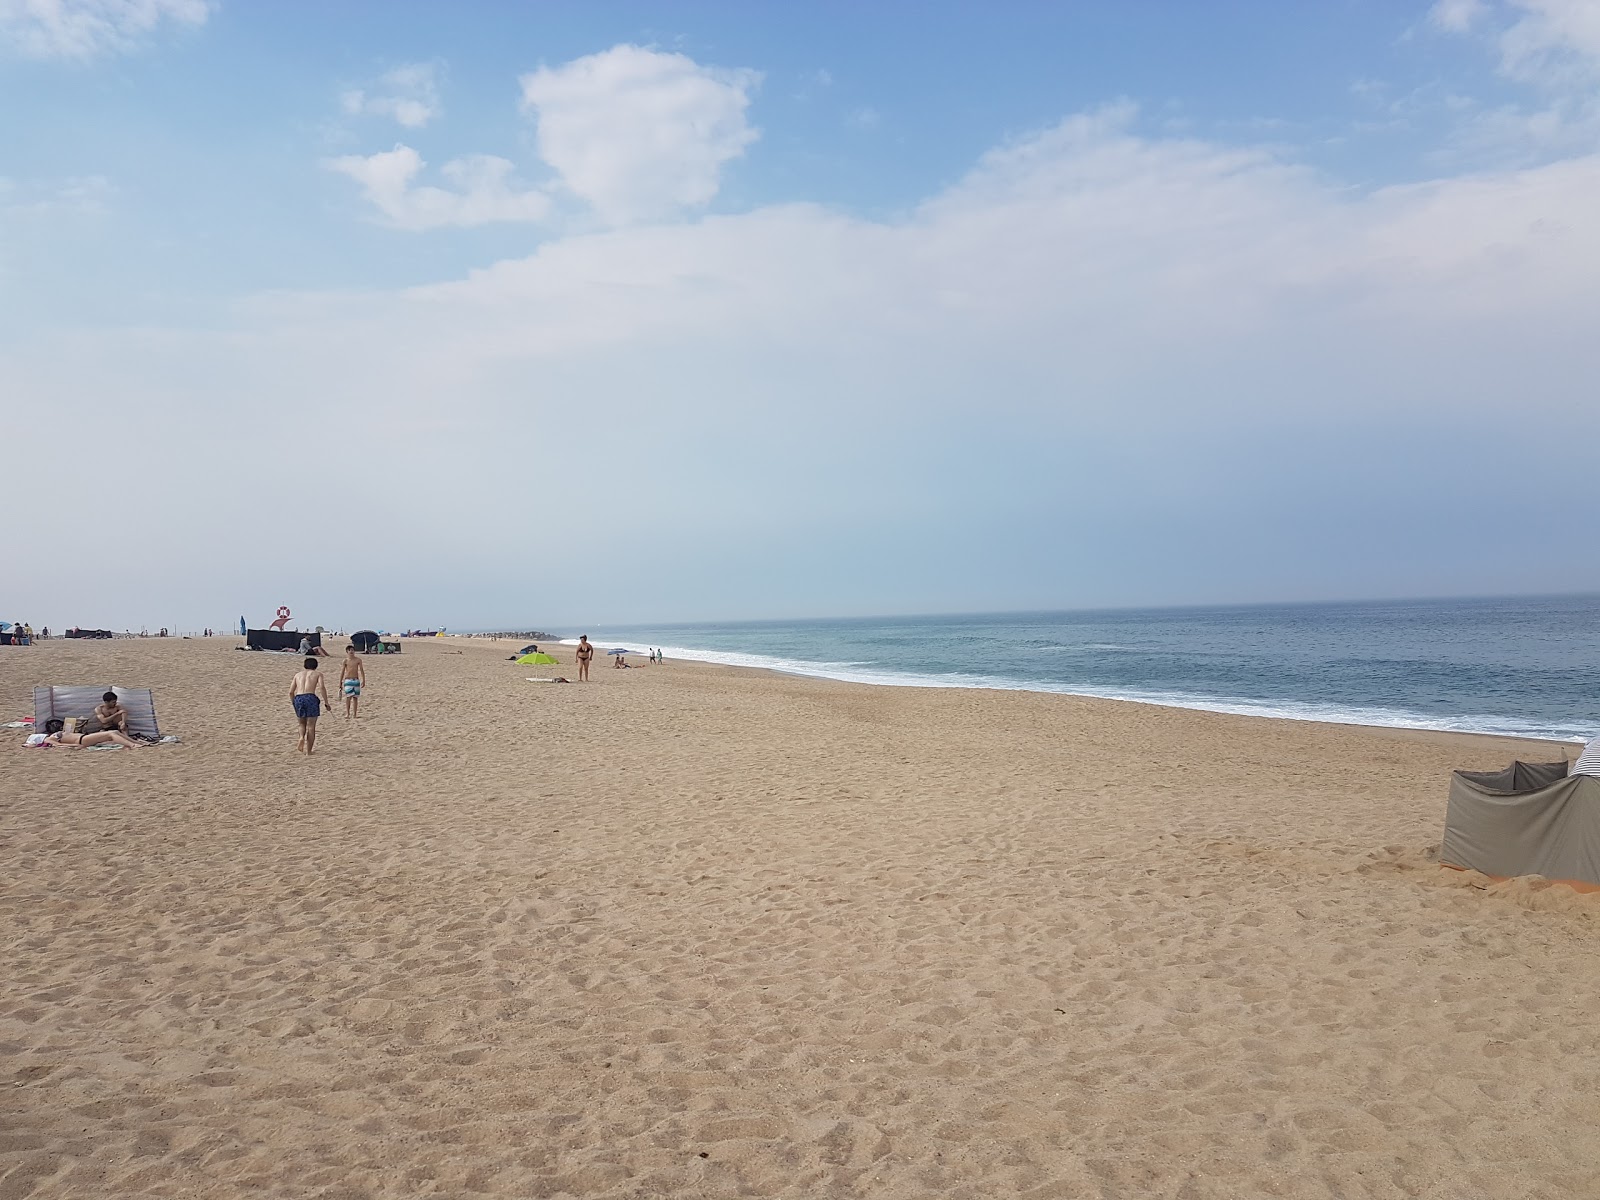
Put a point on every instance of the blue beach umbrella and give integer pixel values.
(242, 629)
(615, 652)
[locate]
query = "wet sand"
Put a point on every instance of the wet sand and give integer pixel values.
(700, 931)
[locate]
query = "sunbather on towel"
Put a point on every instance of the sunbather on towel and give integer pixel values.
(55, 730)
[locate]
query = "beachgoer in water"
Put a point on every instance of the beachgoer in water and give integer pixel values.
(303, 694)
(353, 679)
(585, 654)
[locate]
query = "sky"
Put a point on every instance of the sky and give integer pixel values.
(554, 314)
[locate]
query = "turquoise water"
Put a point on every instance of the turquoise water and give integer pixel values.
(1528, 667)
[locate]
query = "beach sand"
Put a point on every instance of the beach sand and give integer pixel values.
(699, 931)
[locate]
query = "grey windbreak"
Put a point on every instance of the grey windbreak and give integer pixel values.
(1528, 819)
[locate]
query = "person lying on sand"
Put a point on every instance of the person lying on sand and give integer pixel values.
(56, 735)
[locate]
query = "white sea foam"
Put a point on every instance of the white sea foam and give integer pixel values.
(1292, 710)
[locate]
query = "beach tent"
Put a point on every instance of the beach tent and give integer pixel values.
(364, 640)
(279, 639)
(64, 702)
(1529, 819)
(537, 660)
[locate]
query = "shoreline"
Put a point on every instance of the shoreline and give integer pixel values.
(1413, 731)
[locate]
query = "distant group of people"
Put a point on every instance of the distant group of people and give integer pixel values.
(619, 660)
(309, 692)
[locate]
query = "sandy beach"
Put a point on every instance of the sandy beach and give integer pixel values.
(700, 931)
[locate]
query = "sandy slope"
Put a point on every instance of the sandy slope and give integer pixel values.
(698, 931)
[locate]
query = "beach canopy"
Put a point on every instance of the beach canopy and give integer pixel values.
(364, 640)
(64, 702)
(279, 639)
(623, 652)
(537, 660)
(1529, 819)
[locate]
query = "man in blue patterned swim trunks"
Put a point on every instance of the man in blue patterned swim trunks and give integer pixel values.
(354, 678)
(303, 694)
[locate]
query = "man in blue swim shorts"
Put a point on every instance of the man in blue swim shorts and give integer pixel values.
(303, 694)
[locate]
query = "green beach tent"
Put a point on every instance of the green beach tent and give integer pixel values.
(537, 660)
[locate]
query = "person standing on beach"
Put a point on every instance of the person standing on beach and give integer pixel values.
(303, 694)
(353, 679)
(585, 654)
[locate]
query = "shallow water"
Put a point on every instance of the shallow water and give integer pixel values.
(1526, 666)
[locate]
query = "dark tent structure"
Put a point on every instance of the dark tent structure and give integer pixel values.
(365, 640)
(1529, 819)
(279, 639)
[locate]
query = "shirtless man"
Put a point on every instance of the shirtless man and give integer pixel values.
(353, 677)
(585, 654)
(111, 714)
(303, 693)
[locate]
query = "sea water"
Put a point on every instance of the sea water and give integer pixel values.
(1528, 667)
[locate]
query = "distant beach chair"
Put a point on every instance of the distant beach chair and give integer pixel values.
(65, 702)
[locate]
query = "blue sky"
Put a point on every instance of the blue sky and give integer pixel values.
(480, 314)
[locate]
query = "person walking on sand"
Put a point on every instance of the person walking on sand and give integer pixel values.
(303, 694)
(353, 679)
(585, 655)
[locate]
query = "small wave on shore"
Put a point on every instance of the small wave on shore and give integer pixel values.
(1280, 709)
(1524, 667)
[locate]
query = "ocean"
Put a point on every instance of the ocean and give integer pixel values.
(1526, 667)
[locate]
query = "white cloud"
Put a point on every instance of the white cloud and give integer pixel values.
(1094, 330)
(88, 28)
(1457, 16)
(1553, 42)
(639, 134)
(1552, 47)
(484, 190)
(408, 94)
(76, 194)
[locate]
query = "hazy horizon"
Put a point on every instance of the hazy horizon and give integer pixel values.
(571, 628)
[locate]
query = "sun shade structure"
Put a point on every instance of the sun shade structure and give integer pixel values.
(537, 660)
(1529, 819)
(279, 639)
(364, 640)
(64, 702)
